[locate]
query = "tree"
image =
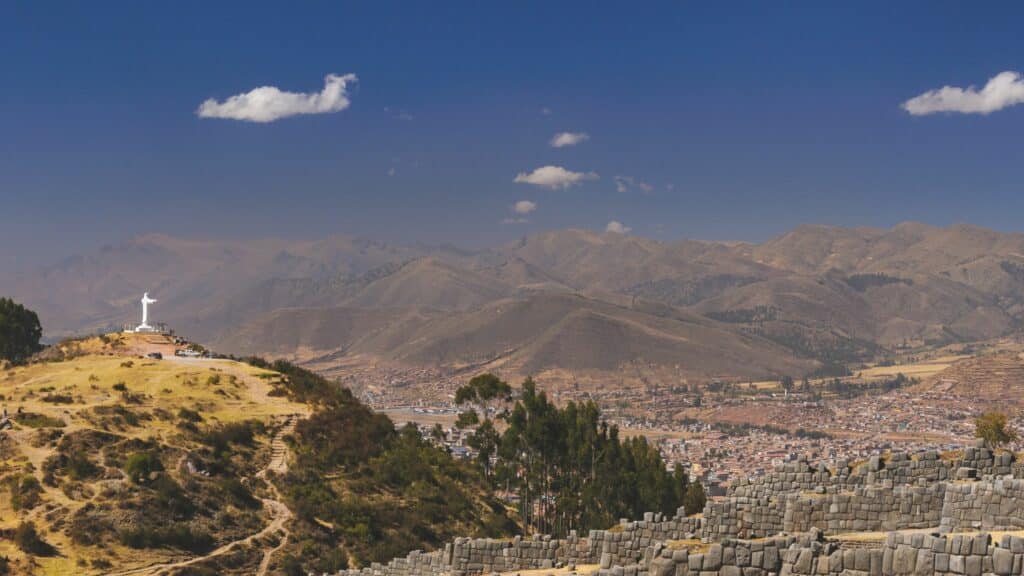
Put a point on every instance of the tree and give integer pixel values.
(695, 498)
(573, 472)
(20, 331)
(482, 391)
(787, 383)
(437, 433)
(992, 427)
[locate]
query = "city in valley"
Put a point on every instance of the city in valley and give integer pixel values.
(724, 430)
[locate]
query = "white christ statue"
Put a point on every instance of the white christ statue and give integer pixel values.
(146, 301)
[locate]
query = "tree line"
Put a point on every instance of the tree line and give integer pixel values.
(567, 468)
(20, 332)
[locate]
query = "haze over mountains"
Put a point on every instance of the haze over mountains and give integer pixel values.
(572, 299)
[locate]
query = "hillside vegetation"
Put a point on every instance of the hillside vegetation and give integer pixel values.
(119, 463)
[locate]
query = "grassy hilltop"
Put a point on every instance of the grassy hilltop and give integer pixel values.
(121, 464)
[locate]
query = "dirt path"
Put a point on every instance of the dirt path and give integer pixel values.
(279, 513)
(278, 465)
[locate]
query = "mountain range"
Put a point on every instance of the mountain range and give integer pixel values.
(571, 300)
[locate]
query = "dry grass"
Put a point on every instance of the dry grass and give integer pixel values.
(236, 392)
(694, 545)
(580, 569)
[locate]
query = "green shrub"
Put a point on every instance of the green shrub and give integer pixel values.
(141, 465)
(33, 420)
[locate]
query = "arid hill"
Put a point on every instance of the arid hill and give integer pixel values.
(525, 335)
(817, 296)
(116, 462)
(994, 378)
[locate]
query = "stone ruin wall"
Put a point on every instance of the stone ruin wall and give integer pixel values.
(978, 490)
(914, 554)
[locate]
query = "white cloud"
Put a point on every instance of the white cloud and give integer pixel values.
(1002, 90)
(627, 183)
(524, 207)
(617, 227)
(392, 171)
(545, 111)
(563, 139)
(554, 177)
(268, 103)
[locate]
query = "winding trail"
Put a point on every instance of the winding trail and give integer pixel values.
(279, 512)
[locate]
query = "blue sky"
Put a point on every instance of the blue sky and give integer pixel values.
(741, 119)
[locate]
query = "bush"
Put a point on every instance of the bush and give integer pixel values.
(238, 493)
(28, 541)
(58, 399)
(181, 536)
(88, 526)
(189, 415)
(240, 433)
(141, 465)
(80, 467)
(33, 420)
(120, 386)
(25, 492)
(171, 497)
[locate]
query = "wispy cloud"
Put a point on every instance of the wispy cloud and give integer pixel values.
(268, 103)
(554, 177)
(617, 227)
(524, 207)
(627, 183)
(1001, 91)
(563, 139)
(400, 114)
(545, 111)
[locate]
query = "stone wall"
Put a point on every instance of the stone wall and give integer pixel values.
(901, 554)
(729, 557)
(912, 554)
(987, 505)
(743, 517)
(626, 544)
(873, 508)
(975, 490)
(417, 563)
